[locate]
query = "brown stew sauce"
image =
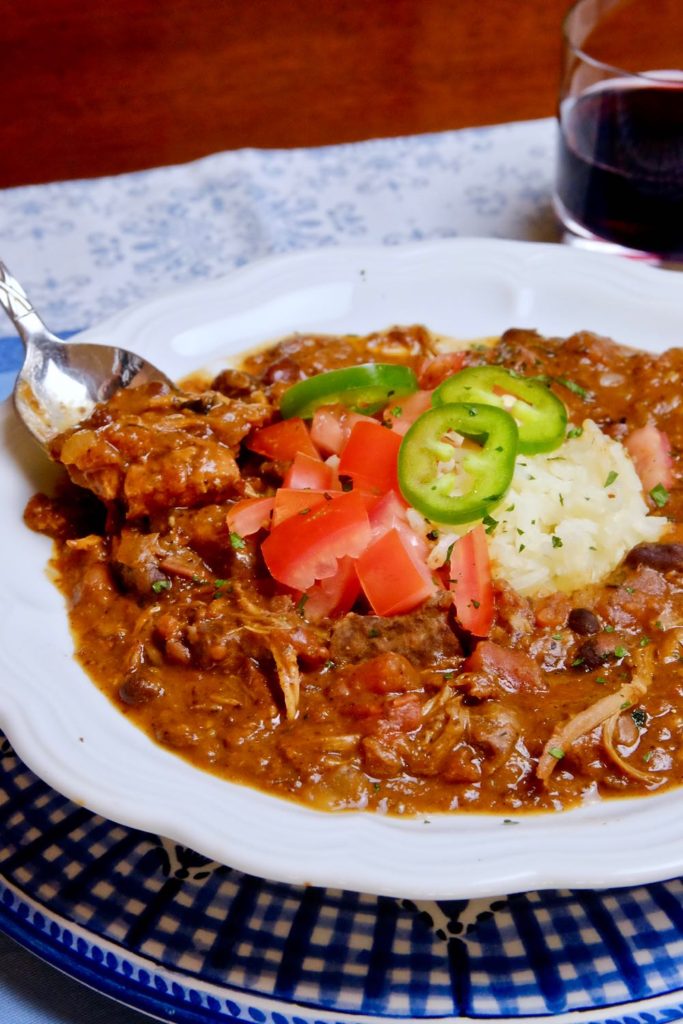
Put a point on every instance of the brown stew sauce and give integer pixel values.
(190, 638)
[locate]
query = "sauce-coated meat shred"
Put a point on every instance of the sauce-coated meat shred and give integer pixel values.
(190, 636)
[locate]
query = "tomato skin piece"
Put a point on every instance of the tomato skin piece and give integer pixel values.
(250, 515)
(306, 473)
(307, 547)
(332, 425)
(392, 578)
(282, 441)
(401, 415)
(389, 513)
(370, 458)
(650, 450)
(334, 596)
(289, 501)
(470, 582)
(435, 370)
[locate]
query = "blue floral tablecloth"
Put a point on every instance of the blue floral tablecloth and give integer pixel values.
(86, 249)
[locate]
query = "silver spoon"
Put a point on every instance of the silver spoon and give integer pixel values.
(60, 382)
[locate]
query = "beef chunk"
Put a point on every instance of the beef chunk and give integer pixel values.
(424, 637)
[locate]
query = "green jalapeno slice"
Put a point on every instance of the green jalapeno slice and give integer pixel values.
(540, 415)
(451, 483)
(365, 388)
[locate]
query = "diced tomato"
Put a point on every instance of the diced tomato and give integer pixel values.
(470, 582)
(334, 596)
(385, 673)
(434, 371)
(512, 670)
(392, 578)
(405, 712)
(290, 502)
(307, 547)
(370, 458)
(650, 450)
(250, 515)
(389, 513)
(283, 441)
(402, 413)
(306, 473)
(332, 425)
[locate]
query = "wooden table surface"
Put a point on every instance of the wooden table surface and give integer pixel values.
(92, 87)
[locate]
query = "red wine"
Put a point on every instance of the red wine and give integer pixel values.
(620, 168)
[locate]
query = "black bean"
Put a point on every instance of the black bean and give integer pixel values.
(140, 690)
(594, 653)
(583, 621)
(662, 557)
(235, 383)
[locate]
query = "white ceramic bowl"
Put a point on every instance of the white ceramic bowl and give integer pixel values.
(71, 736)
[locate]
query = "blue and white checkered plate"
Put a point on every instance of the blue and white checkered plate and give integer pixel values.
(178, 935)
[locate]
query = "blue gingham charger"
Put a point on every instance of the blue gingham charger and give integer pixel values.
(147, 921)
(153, 924)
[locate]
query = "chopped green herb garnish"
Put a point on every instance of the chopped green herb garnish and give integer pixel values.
(659, 495)
(626, 704)
(510, 821)
(237, 541)
(396, 411)
(301, 604)
(601, 680)
(450, 551)
(160, 585)
(373, 632)
(557, 542)
(609, 629)
(557, 753)
(610, 478)
(475, 604)
(433, 535)
(572, 386)
(644, 641)
(646, 757)
(329, 665)
(577, 661)
(557, 636)
(574, 432)
(620, 652)
(489, 524)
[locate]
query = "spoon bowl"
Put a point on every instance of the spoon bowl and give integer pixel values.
(60, 382)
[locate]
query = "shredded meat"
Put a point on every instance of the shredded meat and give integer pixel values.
(179, 621)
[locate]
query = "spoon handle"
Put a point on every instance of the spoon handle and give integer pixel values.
(19, 309)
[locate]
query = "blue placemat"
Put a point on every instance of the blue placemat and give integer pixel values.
(146, 920)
